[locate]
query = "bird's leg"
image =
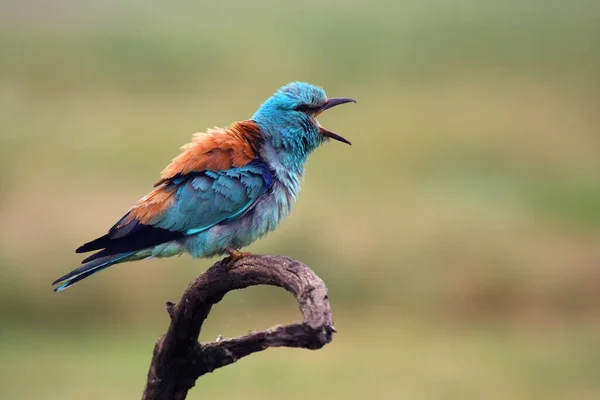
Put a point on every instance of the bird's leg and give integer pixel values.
(235, 255)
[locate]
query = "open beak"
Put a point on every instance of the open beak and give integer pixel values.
(332, 102)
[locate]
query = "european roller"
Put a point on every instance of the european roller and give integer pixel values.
(227, 188)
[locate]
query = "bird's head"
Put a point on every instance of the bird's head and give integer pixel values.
(288, 119)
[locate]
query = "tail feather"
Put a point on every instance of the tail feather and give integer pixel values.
(88, 269)
(129, 238)
(96, 244)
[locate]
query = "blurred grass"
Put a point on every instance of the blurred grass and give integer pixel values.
(363, 361)
(471, 194)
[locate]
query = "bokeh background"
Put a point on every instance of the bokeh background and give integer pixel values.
(459, 235)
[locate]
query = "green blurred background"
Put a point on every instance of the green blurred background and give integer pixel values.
(459, 235)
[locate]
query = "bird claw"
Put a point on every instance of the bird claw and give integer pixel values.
(234, 255)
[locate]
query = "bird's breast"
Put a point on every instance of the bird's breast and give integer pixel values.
(271, 208)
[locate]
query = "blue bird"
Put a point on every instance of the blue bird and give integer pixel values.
(227, 188)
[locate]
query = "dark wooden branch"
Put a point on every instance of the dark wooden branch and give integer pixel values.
(179, 359)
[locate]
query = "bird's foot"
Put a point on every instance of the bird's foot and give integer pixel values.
(234, 255)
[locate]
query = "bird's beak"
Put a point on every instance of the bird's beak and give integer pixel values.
(336, 101)
(333, 135)
(332, 102)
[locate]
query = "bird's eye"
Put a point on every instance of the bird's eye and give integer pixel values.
(307, 108)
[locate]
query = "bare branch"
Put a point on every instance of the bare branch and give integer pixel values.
(179, 359)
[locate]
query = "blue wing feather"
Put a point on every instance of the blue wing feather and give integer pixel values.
(214, 197)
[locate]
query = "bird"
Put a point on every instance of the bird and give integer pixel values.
(227, 188)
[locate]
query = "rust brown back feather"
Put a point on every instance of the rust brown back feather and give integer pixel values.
(216, 150)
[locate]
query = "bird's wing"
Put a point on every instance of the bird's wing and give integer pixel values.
(216, 178)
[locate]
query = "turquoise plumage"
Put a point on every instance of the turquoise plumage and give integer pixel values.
(225, 190)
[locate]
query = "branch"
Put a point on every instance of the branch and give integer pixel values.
(179, 359)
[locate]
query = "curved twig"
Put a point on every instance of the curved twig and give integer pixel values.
(179, 359)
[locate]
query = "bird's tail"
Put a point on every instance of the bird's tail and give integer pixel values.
(91, 268)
